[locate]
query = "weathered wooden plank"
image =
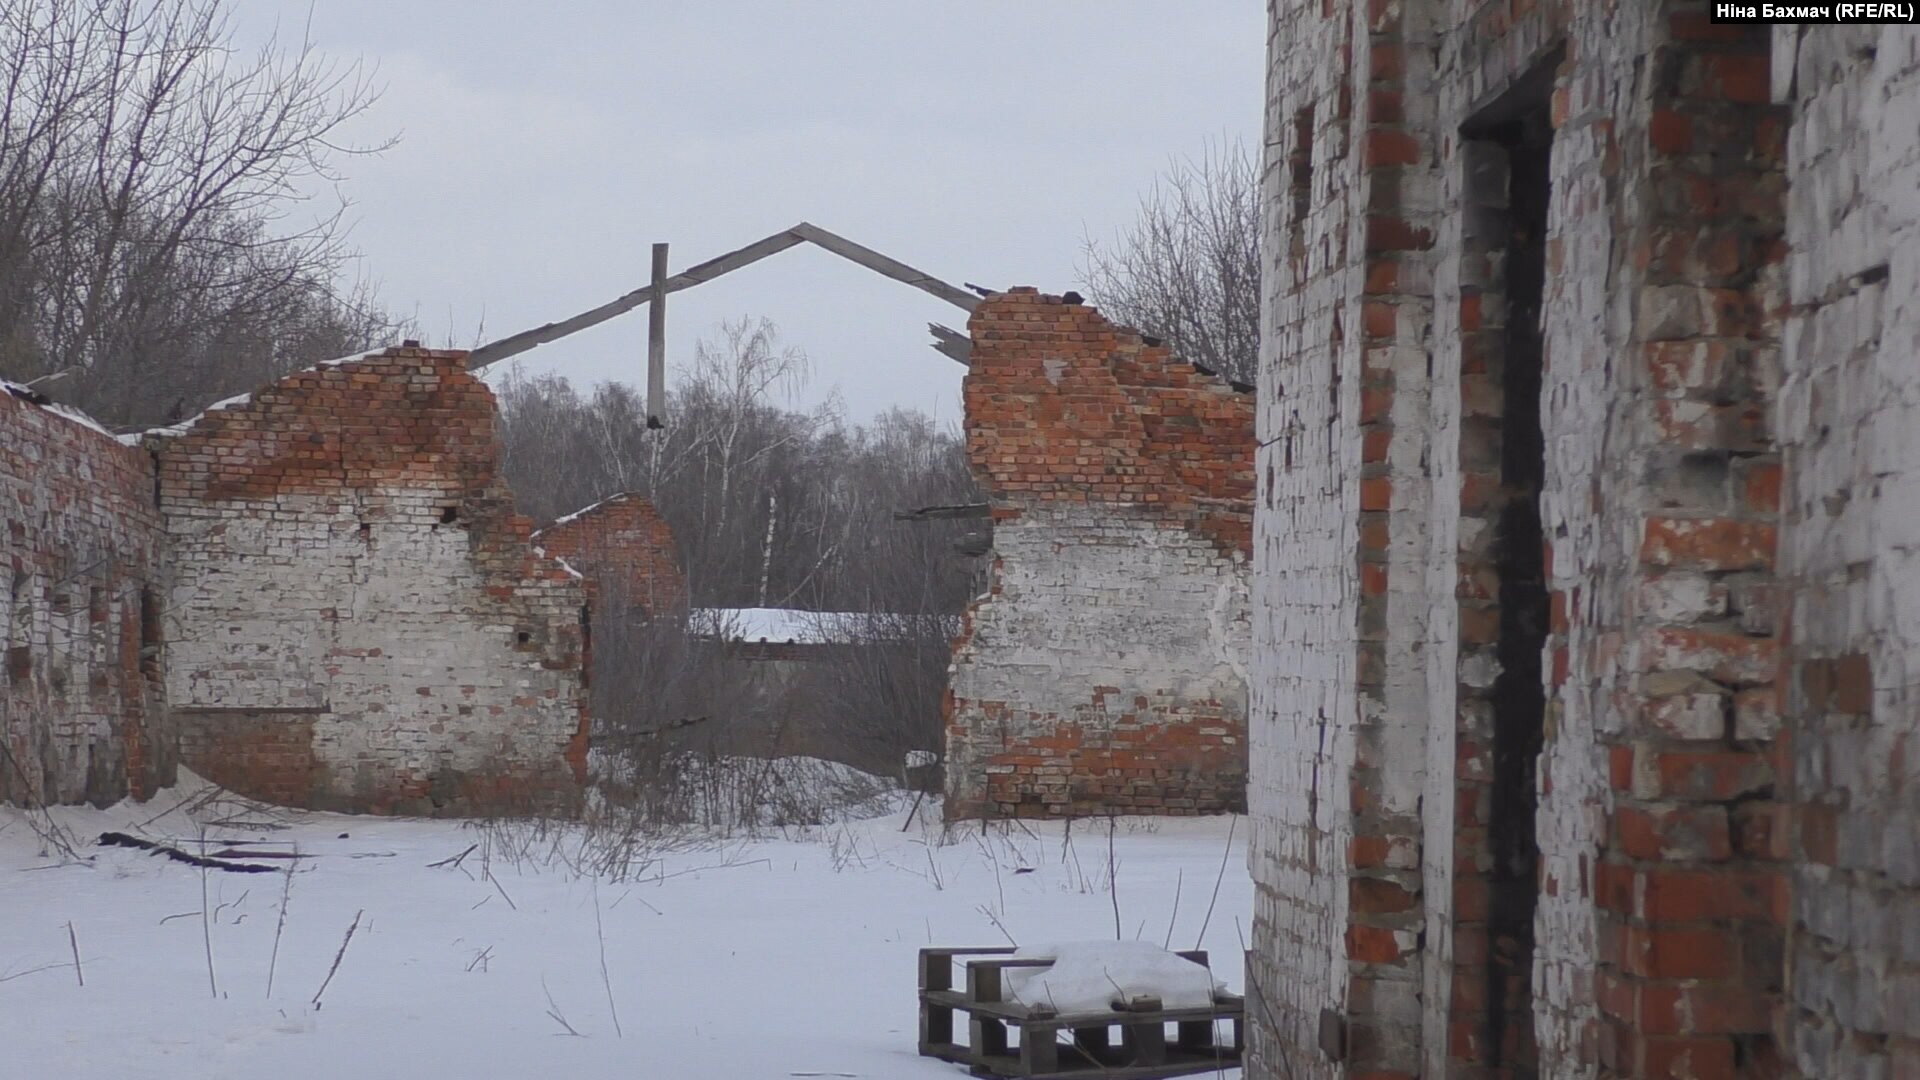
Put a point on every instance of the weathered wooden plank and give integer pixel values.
(1147, 1043)
(951, 343)
(882, 264)
(1225, 1010)
(657, 341)
(1039, 1051)
(943, 513)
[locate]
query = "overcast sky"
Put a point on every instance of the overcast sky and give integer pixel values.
(545, 146)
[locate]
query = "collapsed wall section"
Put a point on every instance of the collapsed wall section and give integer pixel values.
(358, 619)
(625, 549)
(1104, 670)
(82, 717)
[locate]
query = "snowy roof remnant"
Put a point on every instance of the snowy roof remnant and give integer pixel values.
(790, 626)
(34, 397)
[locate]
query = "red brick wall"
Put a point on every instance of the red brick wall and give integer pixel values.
(1655, 892)
(1690, 888)
(81, 713)
(1104, 670)
(623, 546)
(360, 619)
(1064, 407)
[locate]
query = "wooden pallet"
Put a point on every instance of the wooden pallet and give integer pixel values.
(1143, 1051)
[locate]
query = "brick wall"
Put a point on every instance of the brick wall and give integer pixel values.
(1850, 424)
(357, 618)
(624, 548)
(1386, 783)
(1303, 696)
(81, 712)
(1104, 669)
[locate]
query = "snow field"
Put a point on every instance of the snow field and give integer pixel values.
(787, 953)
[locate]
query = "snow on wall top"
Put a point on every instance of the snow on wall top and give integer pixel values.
(170, 431)
(588, 509)
(34, 397)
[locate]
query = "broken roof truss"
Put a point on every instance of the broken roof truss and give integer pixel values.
(948, 342)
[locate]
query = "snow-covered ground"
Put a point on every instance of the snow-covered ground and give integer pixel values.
(786, 954)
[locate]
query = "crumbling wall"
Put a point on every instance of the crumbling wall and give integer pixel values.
(81, 712)
(1438, 892)
(625, 549)
(1850, 556)
(1105, 668)
(358, 619)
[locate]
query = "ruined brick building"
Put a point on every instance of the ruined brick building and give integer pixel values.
(318, 593)
(1105, 669)
(1586, 609)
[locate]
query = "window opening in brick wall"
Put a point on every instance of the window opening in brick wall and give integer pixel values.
(1300, 188)
(151, 633)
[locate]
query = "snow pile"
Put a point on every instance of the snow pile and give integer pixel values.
(1089, 976)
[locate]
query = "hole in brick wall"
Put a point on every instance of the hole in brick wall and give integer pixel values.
(366, 531)
(151, 632)
(1300, 187)
(523, 637)
(449, 514)
(1509, 189)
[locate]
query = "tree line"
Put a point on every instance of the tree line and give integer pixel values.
(156, 250)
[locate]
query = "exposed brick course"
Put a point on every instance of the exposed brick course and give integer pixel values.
(81, 708)
(1104, 671)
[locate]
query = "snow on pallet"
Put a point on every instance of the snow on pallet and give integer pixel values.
(993, 1011)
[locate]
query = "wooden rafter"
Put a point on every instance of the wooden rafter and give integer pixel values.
(945, 513)
(803, 233)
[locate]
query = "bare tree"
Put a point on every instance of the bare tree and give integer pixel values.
(1188, 268)
(155, 244)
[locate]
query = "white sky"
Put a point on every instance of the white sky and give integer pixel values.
(545, 146)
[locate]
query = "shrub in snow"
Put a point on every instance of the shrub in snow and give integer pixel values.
(730, 792)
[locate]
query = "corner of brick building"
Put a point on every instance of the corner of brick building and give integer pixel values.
(359, 619)
(82, 713)
(1714, 681)
(1104, 669)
